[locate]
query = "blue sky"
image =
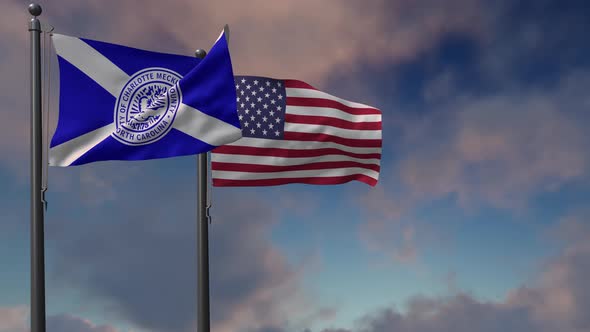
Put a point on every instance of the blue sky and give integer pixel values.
(478, 222)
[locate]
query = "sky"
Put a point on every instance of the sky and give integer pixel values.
(479, 221)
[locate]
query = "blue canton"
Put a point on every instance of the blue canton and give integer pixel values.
(261, 106)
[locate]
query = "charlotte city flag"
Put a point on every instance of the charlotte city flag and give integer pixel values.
(123, 103)
(294, 133)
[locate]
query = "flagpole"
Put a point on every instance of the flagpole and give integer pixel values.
(203, 316)
(37, 236)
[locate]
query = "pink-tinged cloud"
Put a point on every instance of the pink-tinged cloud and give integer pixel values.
(499, 150)
(496, 151)
(561, 297)
(16, 319)
(14, 89)
(148, 236)
(386, 229)
(70, 323)
(557, 300)
(307, 40)
(303, 39)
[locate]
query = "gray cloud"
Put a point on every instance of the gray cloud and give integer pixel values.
(69, 323)
(137, 257)
(16, 319)
(459, 313)
(557, 300)
(151, 252)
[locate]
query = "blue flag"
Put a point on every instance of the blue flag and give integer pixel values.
(122, 103)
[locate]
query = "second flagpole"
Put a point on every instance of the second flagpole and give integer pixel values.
(203, 316)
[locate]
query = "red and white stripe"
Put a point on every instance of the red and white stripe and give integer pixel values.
(327, 140)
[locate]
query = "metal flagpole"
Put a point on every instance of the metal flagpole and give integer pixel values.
(203, 316)
(203, 219)
(37, 236)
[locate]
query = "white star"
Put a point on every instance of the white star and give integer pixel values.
(272, 113)
(278, 120)
(247, 111)
(241, 117)
(238, 99)
(279, 108)
(247, 98)
(264, 132)
(261, 89)
(263, 119)
(255, 82)
(258, 112)
(252, 118)
(280, 97)
(252, 105)
(242, 92)
(273, 101)
(252, 131)
(242, 105)
(258, 125)
(277, 133)
(259, 99)
(237, 86)
(279, 83)
(254, 93)
(243, 80)
(274, 90)
(267, 83)
(271, 126)
(265, 106)
(248, 86)
(246, 124)
(267, 95)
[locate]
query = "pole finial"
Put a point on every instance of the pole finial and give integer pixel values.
(35, 9)
(200, 53)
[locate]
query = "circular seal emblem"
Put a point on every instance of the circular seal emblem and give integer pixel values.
(146, 106)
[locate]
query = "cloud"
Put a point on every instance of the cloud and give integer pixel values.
(497, 150)
(13, 319)
(501, 149)
(459, 313)
(69, 323)
(387, 228)
(91, 185)
(16, 319)
(14, 91)
(306, 40)
(283, 38)
(557, 300)
(560, 297)
(254, 285)
(492, 121)
(137, 260)
(534, 43)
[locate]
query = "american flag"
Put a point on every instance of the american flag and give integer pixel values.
(294, 133)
